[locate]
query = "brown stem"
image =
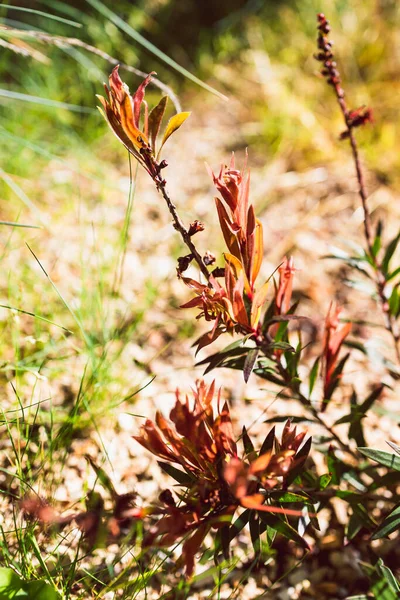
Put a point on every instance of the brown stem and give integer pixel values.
(179, 226)
(380, 280)
(333, 78)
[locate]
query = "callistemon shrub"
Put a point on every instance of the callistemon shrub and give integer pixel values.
(215, 479)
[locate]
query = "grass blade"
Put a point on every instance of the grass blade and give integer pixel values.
(45, 101)
(41, 13)
(118, 22)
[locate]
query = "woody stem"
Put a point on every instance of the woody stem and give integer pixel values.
(380, 280)
(179, 226)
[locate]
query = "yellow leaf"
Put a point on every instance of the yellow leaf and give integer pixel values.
(237, 269)
(173, 124)
(258, 300)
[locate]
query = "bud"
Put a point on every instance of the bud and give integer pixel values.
(195, 227)
(209, 258)
(184, 262)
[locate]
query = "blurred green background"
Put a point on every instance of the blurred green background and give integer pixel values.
(258, 52)
(60, 168)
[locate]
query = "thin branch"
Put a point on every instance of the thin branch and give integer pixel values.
(353, 119)
(179, 226)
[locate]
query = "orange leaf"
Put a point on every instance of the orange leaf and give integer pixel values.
(237, 269)
(257, 252)
(261, 463)
(254, 502)
(259, 298)
(135, 135)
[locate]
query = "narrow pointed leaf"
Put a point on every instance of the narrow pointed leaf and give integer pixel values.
(388, 575)
(268, 443)
(155, 119)
(179, 476)
(249, 363)
(390, 524)
(173, 124)
(282, 527)
(390, 250)
(383, 458)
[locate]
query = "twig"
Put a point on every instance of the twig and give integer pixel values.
(354, 119)
(179, 226)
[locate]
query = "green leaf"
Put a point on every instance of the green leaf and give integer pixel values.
(289, 497)
(249, 363)
(224, 540)
(383, 591)
(12, 586)
(254, 526)
(353, 526)
(388, 575)
(335, 466)
(239, 523)
(173, 124)
(349, 496)
(102, 476)
(284, 418)
(393, 274)
(313, 376)
(282, 527)
(394, 447)
(383, 458)
(300, 459)
(390, 524)
(336, 378)
(324, 481)
(394, 301)
(237, 348)
(374, 395)
(285, 318)
(377, 243)
(280, 346)
(247, 444)
(390, 250)
(390, 478)
(179, 476)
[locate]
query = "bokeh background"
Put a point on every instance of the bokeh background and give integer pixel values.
(63, 171)
(90, 300)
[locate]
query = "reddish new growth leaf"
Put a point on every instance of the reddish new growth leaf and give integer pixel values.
(234, 306)
(335, 335)
(283, 293)
(96, 523)
(123, 114)
(215, 481)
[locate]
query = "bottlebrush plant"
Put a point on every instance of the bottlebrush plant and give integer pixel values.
(221, 482)
(271, 486)
(215, 481)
